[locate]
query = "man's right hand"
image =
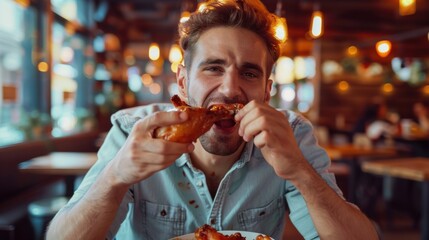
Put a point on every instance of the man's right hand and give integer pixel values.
(143, 155)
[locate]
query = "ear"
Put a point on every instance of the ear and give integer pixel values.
(267, 96)
(181, 78)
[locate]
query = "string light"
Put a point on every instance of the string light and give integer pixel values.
(280, 29)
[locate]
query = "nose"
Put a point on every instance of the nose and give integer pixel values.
(230, 86)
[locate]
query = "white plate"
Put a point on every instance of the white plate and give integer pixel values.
(247, 235)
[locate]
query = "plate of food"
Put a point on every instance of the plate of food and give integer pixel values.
(206, 232)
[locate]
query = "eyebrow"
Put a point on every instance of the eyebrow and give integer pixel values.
(246, 65)
(212, 61)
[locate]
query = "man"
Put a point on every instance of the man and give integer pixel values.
(237, 176)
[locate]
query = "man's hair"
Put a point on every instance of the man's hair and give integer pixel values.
(248, 14)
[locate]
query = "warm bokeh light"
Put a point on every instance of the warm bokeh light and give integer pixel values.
(175, 54)
(66, 54)
(352, 51)
(154, 51)
(70, 28)
(24, 3)
(383, 48)
(184, 16)
(174, 66)
(316, 27)
(147, 79)
(130, 60)
(43, 66)
(284, 70)
(425, 90)
(155, 88)
(343, 86)
(281, 29)
(387, 88)
(111, 42)
(202, 6)
(407, 7)
(299, 68)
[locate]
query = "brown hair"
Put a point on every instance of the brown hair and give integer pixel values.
(248, 14)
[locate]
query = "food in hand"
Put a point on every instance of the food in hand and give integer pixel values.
(206, 232)
(199, 121)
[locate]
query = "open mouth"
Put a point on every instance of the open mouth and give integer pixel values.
(225, 123)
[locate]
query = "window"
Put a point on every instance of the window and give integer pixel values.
(25, 111)
(17, 46)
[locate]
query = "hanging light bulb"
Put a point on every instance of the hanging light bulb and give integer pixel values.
(175, 54)
(316, 26)
(407, 7)
(383, 48)
(154, 51)
(280, 29)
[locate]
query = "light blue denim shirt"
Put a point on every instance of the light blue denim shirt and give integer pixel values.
(176, 201)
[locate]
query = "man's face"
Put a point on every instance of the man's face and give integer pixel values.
(229, 65)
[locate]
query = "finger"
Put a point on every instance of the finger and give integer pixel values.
(249, 119)
(161, 146)
(261, 140)
(245, 110)
(160, 119)
(253, 128)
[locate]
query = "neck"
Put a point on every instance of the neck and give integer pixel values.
(214, 166)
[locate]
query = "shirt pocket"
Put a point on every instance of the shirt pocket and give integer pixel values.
(162, 221)
(264, 219)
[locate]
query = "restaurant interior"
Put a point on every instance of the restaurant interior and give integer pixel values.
(67, 65)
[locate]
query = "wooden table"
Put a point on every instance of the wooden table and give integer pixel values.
(416, 169)
(351, 155)
(68, 164)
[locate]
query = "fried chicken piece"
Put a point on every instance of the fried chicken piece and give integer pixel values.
(206, 232)
(200, 120)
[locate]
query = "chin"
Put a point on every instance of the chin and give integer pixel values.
(222, 145)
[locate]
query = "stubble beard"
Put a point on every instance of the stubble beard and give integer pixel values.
(222, 145)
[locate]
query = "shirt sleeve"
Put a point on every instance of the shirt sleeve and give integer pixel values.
(320, 161)
(111, 145)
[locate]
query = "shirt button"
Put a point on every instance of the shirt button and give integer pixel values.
(212, 221)
(200, 183)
